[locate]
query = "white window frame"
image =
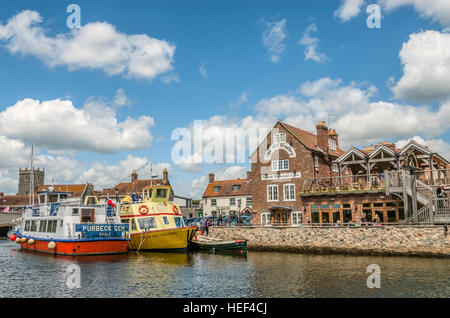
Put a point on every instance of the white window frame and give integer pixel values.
(265, 218)
(213, 200)
(335, 167)
(247, 201)
(279, 137)
(332, 144)
(272, 186)
(290, 192)
(296, 218)
(280, 165)
(234, 202)
(316, 161)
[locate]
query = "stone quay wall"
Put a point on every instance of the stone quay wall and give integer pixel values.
(372, 240)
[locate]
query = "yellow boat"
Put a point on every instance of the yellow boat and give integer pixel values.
(156, 222)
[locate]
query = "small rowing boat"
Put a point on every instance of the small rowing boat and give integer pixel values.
(212, 244)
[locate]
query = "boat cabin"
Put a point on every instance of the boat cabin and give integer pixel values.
(48, 197)
(157, 194)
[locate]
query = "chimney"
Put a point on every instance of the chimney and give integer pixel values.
(134, 176)
(211, 177)
(333, 135)
(322, 136)
(165, 174)
(249, 175)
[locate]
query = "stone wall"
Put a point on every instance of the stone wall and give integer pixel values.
(388, 240)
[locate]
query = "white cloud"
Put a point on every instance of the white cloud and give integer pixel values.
(348, 9)
(196, 187)
(106, 176)
(241, 101)
(426, 67)
(317, 87)
(273, 39)
(96, 46)
(58, 124)
(437, 10)
(121, 99)
(311, 44)
(203, 70)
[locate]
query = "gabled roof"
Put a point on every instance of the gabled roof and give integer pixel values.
(353, 150)
(413, 144)
(307, 138)
(226, 188)
(76, 189)
(381, 147)
(137, 186)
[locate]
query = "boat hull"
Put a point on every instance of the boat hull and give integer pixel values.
(81, 247)
(225, 246)
(162, 240)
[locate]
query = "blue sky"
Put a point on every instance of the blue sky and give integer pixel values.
(217, 61)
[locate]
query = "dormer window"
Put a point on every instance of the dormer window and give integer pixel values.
(279, 137)
(236, 187)
(216, 189)
(332, 144)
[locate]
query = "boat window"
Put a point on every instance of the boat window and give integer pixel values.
(133, 225)
(87, 215)
(166, 221)
(75, 211)
(149, 193)
(42, 198)
(125, 221)
(27, 225)
(33, 226)
(42, 225)
(63, 196)
(51, 226)
(53, 198)
(161, 193)
(147, 223)
(179, 221)
(61, 223)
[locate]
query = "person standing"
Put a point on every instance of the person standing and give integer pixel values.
(207, 224)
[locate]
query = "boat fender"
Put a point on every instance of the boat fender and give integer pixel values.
(13, 237)
(18, 240)
(143, 209)
(51, 245)
(30, 242)
(23, 240)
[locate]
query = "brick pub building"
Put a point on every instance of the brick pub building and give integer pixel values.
(299, 177)
(281, 165)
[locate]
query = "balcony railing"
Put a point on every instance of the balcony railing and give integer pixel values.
(360, 182)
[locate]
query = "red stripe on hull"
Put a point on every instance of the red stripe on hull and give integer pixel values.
(79, 248)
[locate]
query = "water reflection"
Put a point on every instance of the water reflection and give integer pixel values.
(29, 274)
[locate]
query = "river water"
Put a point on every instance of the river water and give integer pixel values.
(259, 274)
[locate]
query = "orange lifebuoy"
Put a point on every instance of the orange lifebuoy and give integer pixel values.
(143, 209)
(175, 209)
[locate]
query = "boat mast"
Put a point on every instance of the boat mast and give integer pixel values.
(32, 177)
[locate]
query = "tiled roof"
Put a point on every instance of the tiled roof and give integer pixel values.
(137, 186)
(308, 139)
(14, 200)
(76, 189)
(226, 188)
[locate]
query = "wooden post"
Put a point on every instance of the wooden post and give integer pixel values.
(414, 196)
(431, 169)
